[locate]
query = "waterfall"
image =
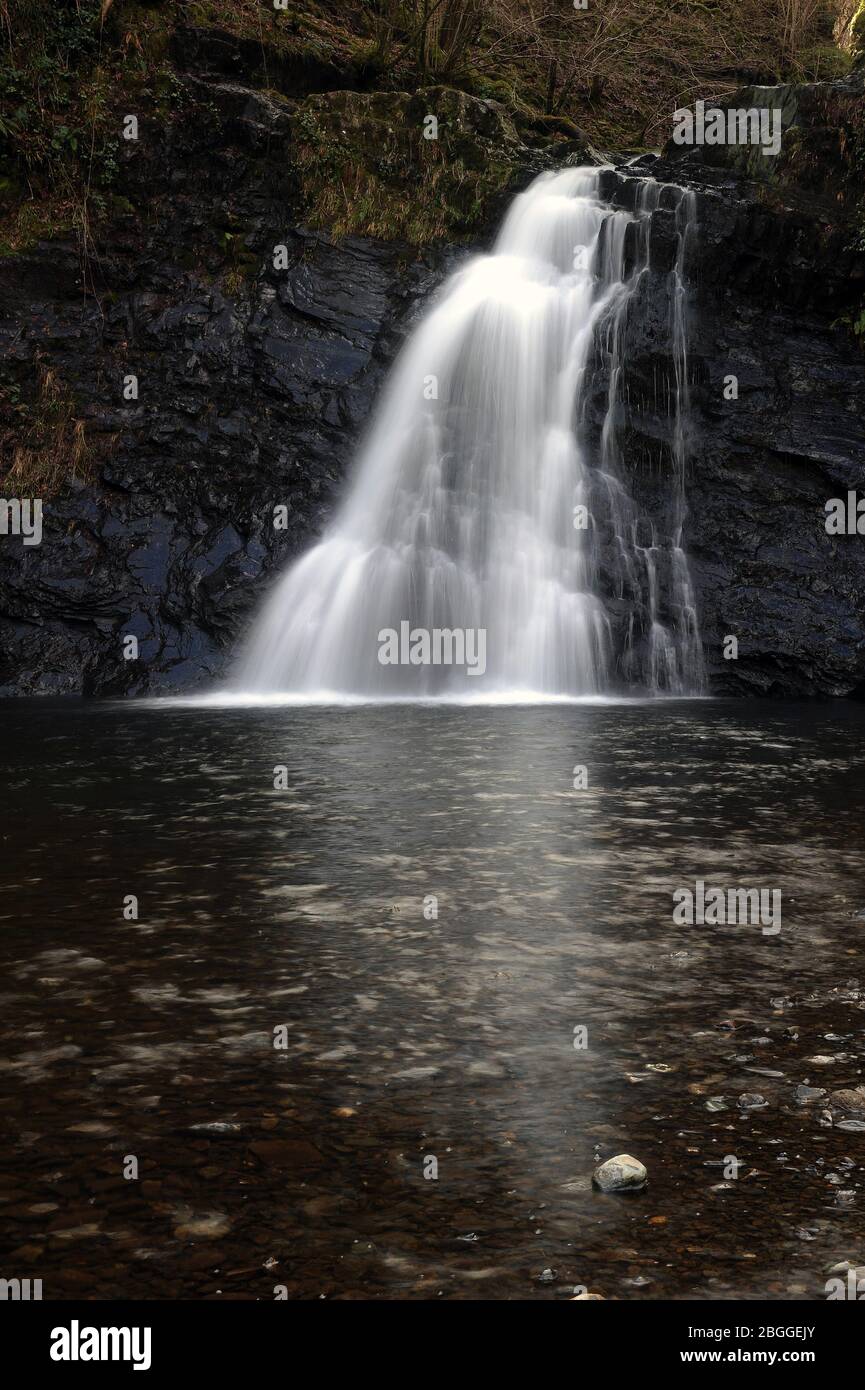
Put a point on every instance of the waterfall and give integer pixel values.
(483, 503)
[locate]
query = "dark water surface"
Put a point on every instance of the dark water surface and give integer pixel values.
(410, 1037)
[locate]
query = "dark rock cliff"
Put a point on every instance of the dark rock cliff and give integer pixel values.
(245, 404)
(777, 278)
(254, 384)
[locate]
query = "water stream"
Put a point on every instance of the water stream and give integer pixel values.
(482, 502)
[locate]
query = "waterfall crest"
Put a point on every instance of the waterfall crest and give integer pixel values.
(481, 500)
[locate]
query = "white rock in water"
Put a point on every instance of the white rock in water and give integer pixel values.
(620, 1174)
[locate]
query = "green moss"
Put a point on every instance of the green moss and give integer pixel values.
(241, 263)
(68, 75)
(70, 69)
(366, 167)
(321, 32)
(824, 62)
(25, 224)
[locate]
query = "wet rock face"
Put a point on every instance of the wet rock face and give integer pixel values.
(778, 277)
(815, 161)
(254, 381)
(247, 401)
(254, 385)
(764, 468)
(769, 288)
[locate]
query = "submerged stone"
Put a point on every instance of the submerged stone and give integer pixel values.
(751, 1100)
(850, 1101)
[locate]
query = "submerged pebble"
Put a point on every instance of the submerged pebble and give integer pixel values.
(752, 1100)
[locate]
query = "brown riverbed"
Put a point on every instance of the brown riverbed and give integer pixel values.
(410, 1037)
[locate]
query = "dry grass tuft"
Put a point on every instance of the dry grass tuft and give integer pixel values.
(50, 448)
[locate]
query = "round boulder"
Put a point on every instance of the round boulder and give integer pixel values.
(620, 1174)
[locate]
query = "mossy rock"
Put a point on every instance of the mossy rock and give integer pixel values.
(373, 163)
(371, 120)
(822, 151)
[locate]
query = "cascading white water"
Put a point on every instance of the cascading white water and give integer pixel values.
(464, 512)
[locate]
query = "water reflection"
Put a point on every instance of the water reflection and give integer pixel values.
(410, 1035)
